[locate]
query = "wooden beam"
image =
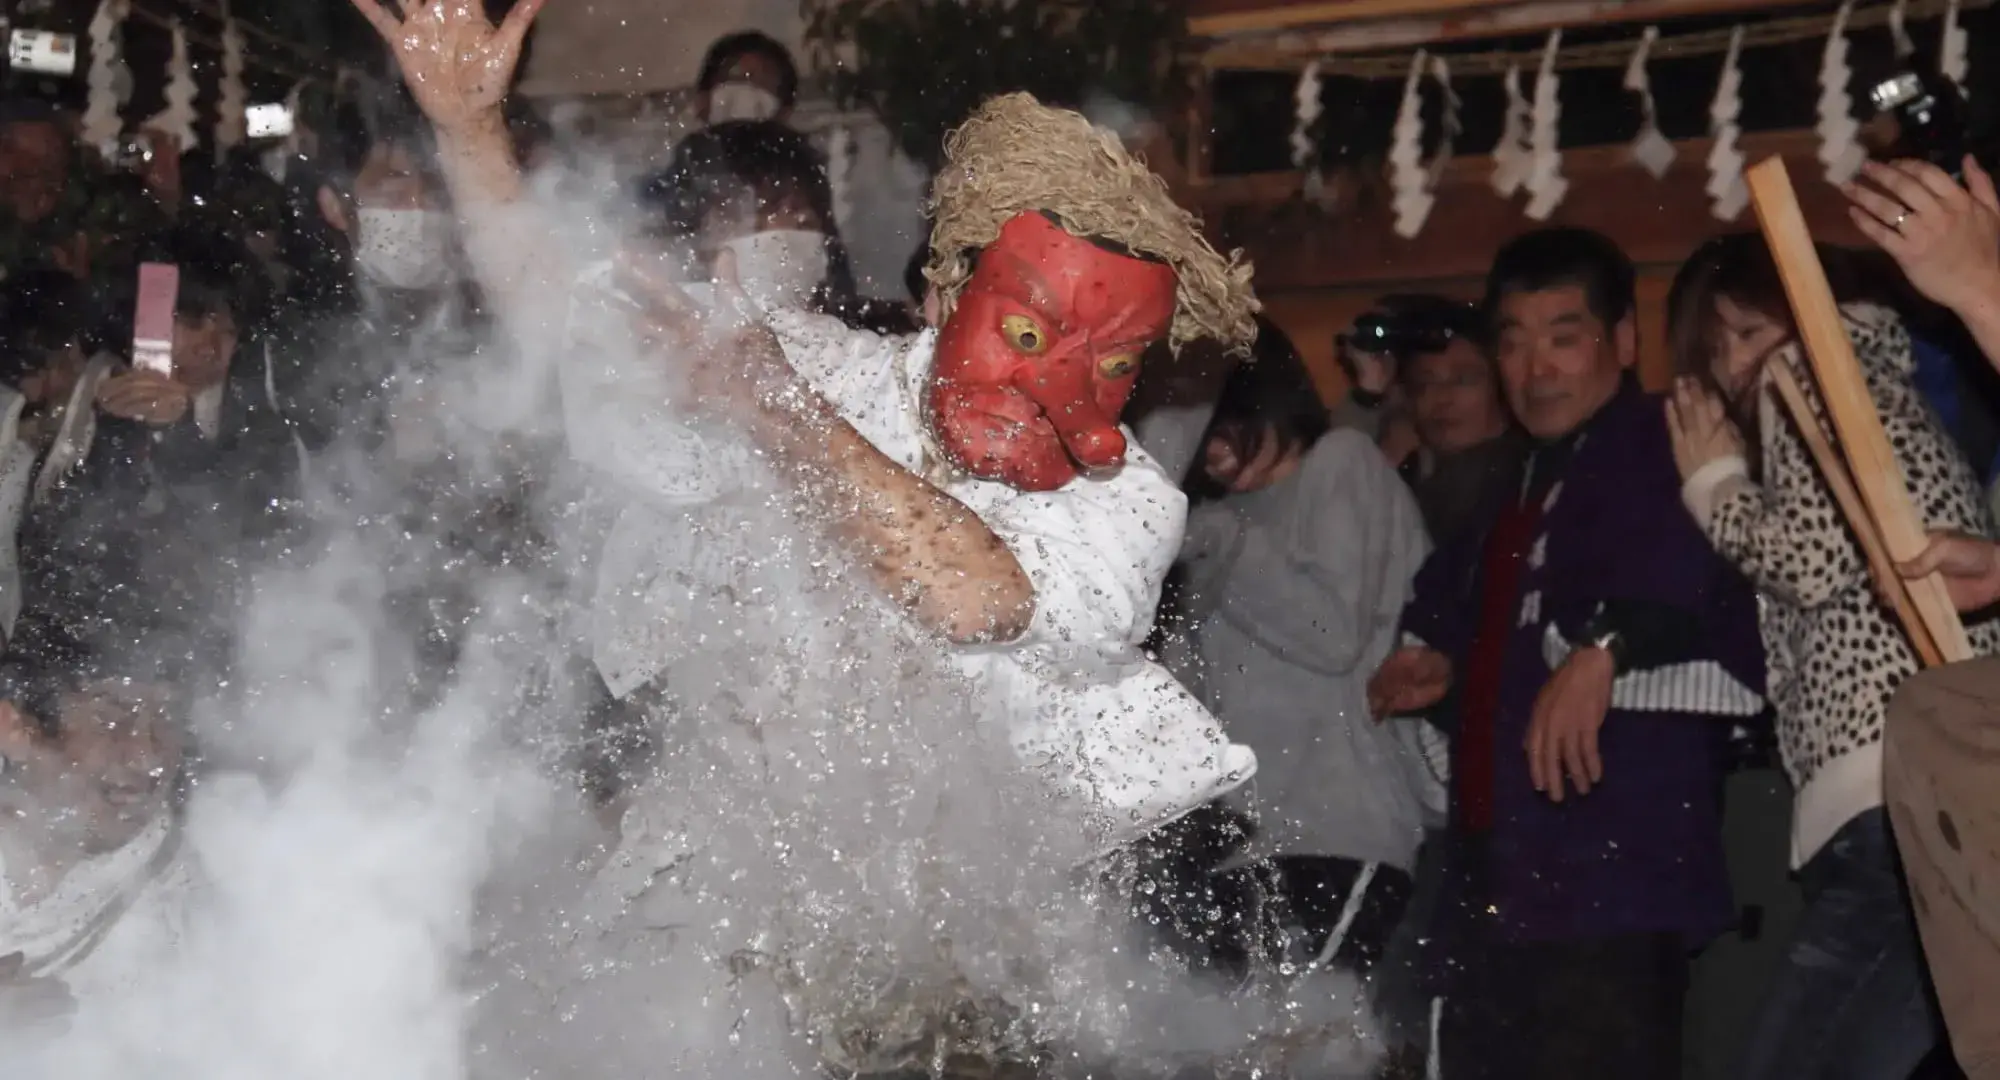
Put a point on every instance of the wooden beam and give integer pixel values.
(1296, 245)
(1863, 443)
(1275, 35)
(1833, 468)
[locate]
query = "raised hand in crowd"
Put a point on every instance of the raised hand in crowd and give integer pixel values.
(1970, 566)
(1945, 236)
(145, 396)
(457, 64)
(1412, 679)
(1700, 427)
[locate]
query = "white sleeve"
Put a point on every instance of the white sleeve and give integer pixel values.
(618, 421)
(1097, 552)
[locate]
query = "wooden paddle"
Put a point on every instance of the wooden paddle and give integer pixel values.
(1881, 508)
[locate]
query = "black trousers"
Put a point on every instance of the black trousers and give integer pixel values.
(1573, 1010)
(1227, 921)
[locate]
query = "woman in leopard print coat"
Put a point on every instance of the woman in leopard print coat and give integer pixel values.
(1851, 1001)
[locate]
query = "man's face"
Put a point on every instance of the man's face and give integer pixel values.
(1558, 362)
(203, 348)
(1455, 398)
(34, 166)
(105, 776)
(1035, 363)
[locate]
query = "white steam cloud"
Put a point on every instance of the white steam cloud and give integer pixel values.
(835, 859)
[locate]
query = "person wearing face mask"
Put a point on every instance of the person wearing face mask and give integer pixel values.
(1301, 544)
(754, 195)
(747, 76)
(383, 252)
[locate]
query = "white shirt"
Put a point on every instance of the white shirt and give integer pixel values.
(1079, 693)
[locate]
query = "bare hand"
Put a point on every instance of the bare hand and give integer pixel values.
(1970, 566)
(1944, 236)
(146, 396)
(1562, 737)
(456, 63)
(1412, 679)
(1699, 426)
(1373, 371)
(727, 355)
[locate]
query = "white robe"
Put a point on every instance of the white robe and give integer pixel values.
(1077, 691)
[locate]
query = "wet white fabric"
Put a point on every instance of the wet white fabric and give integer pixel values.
(105, 921)
(1079, 695)
(403, 249)
(741, 101)
(779, 269)
(1083, 698)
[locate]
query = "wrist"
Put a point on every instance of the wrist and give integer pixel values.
(1976, 299)
(479, 128)
(1601, 642)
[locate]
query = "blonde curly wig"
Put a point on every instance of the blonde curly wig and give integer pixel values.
(1016, 155)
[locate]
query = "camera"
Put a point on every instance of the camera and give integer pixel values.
(1395, 335)
(42, 52)
(1930, 116)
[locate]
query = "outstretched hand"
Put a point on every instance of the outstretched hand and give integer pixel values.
(456, 63)
(721, 347)
(1944, 234)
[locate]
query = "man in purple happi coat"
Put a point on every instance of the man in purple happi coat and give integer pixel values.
(1588, 653)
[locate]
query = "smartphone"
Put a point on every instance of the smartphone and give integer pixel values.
(270, 121)
(153, 322)
(43, 52)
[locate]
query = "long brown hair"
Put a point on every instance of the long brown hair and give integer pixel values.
(1739, 266)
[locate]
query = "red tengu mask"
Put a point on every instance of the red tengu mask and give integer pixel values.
(1037, 359)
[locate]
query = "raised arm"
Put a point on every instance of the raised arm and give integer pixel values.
(925, 549)
(458, 66)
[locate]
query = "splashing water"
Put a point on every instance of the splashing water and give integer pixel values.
(834, 861)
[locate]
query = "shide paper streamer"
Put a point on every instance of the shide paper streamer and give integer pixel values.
(1650, 148)
(1545, 184)
(101, 122)
(1511, 157)
(1727, 193)
(1840, 150)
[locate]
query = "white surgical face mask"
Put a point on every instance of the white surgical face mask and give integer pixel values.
(403, 249)
(742, 101)
(779, 269)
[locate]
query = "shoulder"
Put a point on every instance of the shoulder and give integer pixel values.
(1344, 460)
(823, 348)
(1883, 346)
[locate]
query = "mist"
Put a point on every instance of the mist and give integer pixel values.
(833, 853)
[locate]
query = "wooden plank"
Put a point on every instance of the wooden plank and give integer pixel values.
(1287, 35)
(1880, 567)
(1848, 403)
